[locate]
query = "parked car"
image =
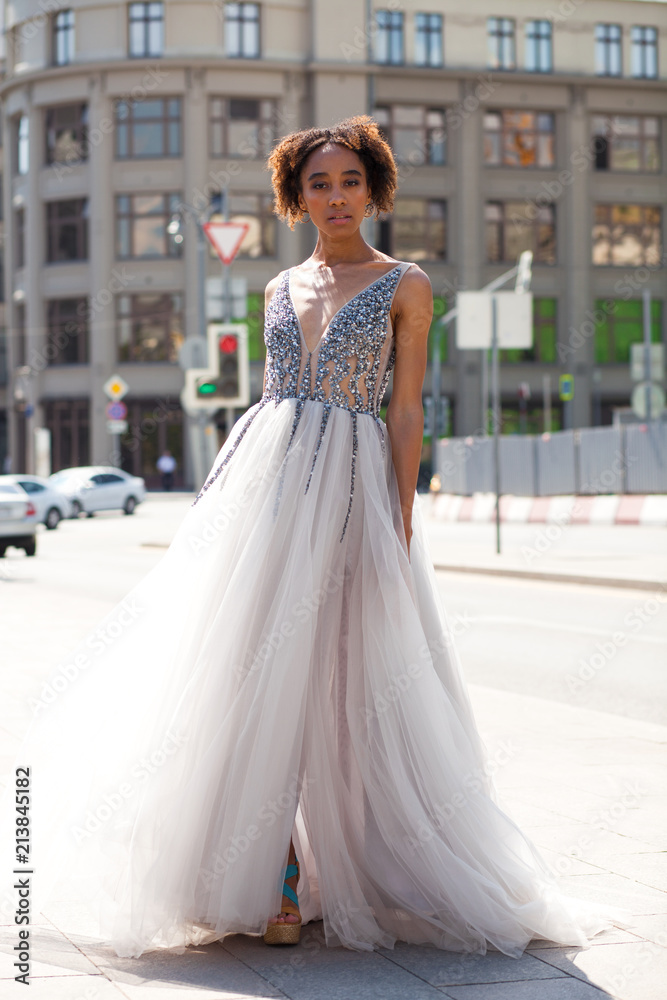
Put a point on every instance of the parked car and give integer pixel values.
(99, 487)
(51, 505)
(18, 519)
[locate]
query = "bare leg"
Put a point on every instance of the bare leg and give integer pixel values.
(288, 918)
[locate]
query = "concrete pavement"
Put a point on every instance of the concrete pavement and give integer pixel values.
(587, 786)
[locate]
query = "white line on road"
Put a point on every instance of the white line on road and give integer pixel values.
(560, 627)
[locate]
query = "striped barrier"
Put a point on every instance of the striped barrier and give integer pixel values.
(648, 510)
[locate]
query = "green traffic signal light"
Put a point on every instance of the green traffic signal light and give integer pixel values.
(206, 389)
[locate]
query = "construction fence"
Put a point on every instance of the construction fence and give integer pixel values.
(592, 460)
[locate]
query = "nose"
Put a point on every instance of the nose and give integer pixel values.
(337, 196)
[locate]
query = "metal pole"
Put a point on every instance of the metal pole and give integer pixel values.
(435, 383)
(495, 388)
(227, 302)
(485, 393)
(646, 296)
(546, 402)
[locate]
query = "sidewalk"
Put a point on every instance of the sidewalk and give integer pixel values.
(586, 786)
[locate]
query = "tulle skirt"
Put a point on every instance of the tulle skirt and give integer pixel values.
(267, 679)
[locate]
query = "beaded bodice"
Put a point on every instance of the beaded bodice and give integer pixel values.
(352, 361)
(349, 367)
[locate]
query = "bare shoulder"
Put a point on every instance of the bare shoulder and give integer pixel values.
(272, 286)
(414, 293)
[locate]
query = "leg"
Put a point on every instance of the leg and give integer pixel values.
(282, 917)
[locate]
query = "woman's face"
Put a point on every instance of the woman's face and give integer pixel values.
(334, 190)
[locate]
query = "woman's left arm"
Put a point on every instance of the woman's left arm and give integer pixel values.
(405, 413)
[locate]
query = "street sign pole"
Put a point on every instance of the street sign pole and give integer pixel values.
(646, 297)
(495, 388)
(227, 302)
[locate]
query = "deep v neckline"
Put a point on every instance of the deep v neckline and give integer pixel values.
(338, 311)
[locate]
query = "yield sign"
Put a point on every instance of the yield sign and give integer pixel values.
(226, 238)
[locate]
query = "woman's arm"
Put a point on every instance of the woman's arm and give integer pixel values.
(405, 413)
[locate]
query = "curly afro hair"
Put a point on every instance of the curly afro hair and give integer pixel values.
(360, 134)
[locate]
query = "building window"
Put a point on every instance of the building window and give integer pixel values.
(539, 57)
(626, 142)
(67, 230)
(545, 336)
(417, 230)
(242, 30)
(620, 324)
(627, 235)
(141, 225)
(428, 40)
(67, 133)
(519, 139)
(67, 332)
(515, 226)
(63, 37)
(389, 37)
(608, 56)
(154, 425)
(242, 127)
(148, 128)
(149, 327)
(501, 39)
(644, 52)
(22, 145)
(19, 241)
(69, 423)
(257, 211)
(415, 133)
(146, 29)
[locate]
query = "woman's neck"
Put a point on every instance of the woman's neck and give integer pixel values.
(352, 249)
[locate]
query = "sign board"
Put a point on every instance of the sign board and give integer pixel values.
(116, 387)
(215, 292)
(637, 367)
(116, 410)
(226, 238)
(566, 387)
(117, 426)
(638, 400)
(193, 353)
(514, 318)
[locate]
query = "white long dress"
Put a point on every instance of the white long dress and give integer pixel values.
(286, 669)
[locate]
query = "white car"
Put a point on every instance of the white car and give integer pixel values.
(51, 505)
(99, 487)
(18, 519)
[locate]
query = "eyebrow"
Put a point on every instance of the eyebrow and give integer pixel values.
(323, 173)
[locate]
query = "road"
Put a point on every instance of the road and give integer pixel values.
(595, 647)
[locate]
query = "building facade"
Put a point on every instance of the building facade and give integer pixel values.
(541, 129)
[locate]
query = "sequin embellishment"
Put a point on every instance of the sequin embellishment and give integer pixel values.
(344, 370)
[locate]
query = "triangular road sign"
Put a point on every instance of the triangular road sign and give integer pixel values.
(226, 238)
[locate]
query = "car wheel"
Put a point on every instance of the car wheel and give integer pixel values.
(30, 548)
(89, 513)
(52, 519)
(76, 508)
(130, 505)
(3, 549)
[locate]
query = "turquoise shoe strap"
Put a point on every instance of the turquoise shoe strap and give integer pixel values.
(287, 890)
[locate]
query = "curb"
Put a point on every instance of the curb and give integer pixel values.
(526, 574)
(627, 509)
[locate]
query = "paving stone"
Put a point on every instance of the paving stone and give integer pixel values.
(649, 869)
(633, 971)
(51, 954)
(441, 968)
(537, 989)
(615, 890)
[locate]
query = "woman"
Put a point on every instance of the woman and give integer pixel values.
(278, 706)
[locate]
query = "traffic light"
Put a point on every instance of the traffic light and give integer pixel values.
(226, 380)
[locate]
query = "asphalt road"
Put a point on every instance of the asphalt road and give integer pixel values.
(595, 647)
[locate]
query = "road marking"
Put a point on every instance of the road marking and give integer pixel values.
(560, 627)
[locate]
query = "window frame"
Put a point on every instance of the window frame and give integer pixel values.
(506, 129)
(55, 324)
(387, 230)
(170, 200)
(606, 44)
(242, 21)
(391, 34)
(220, 123)
(533, 225)
(497, 37)
(610, 320)
(426, 132)
(267, 224)
(640, 47)
(64, 33)
(54, 224)
(170, 345)
(612, 226)
(641, 137)
(432, 27)
(79, 129)
(146, 20)
(125, 127)
(535, 45)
